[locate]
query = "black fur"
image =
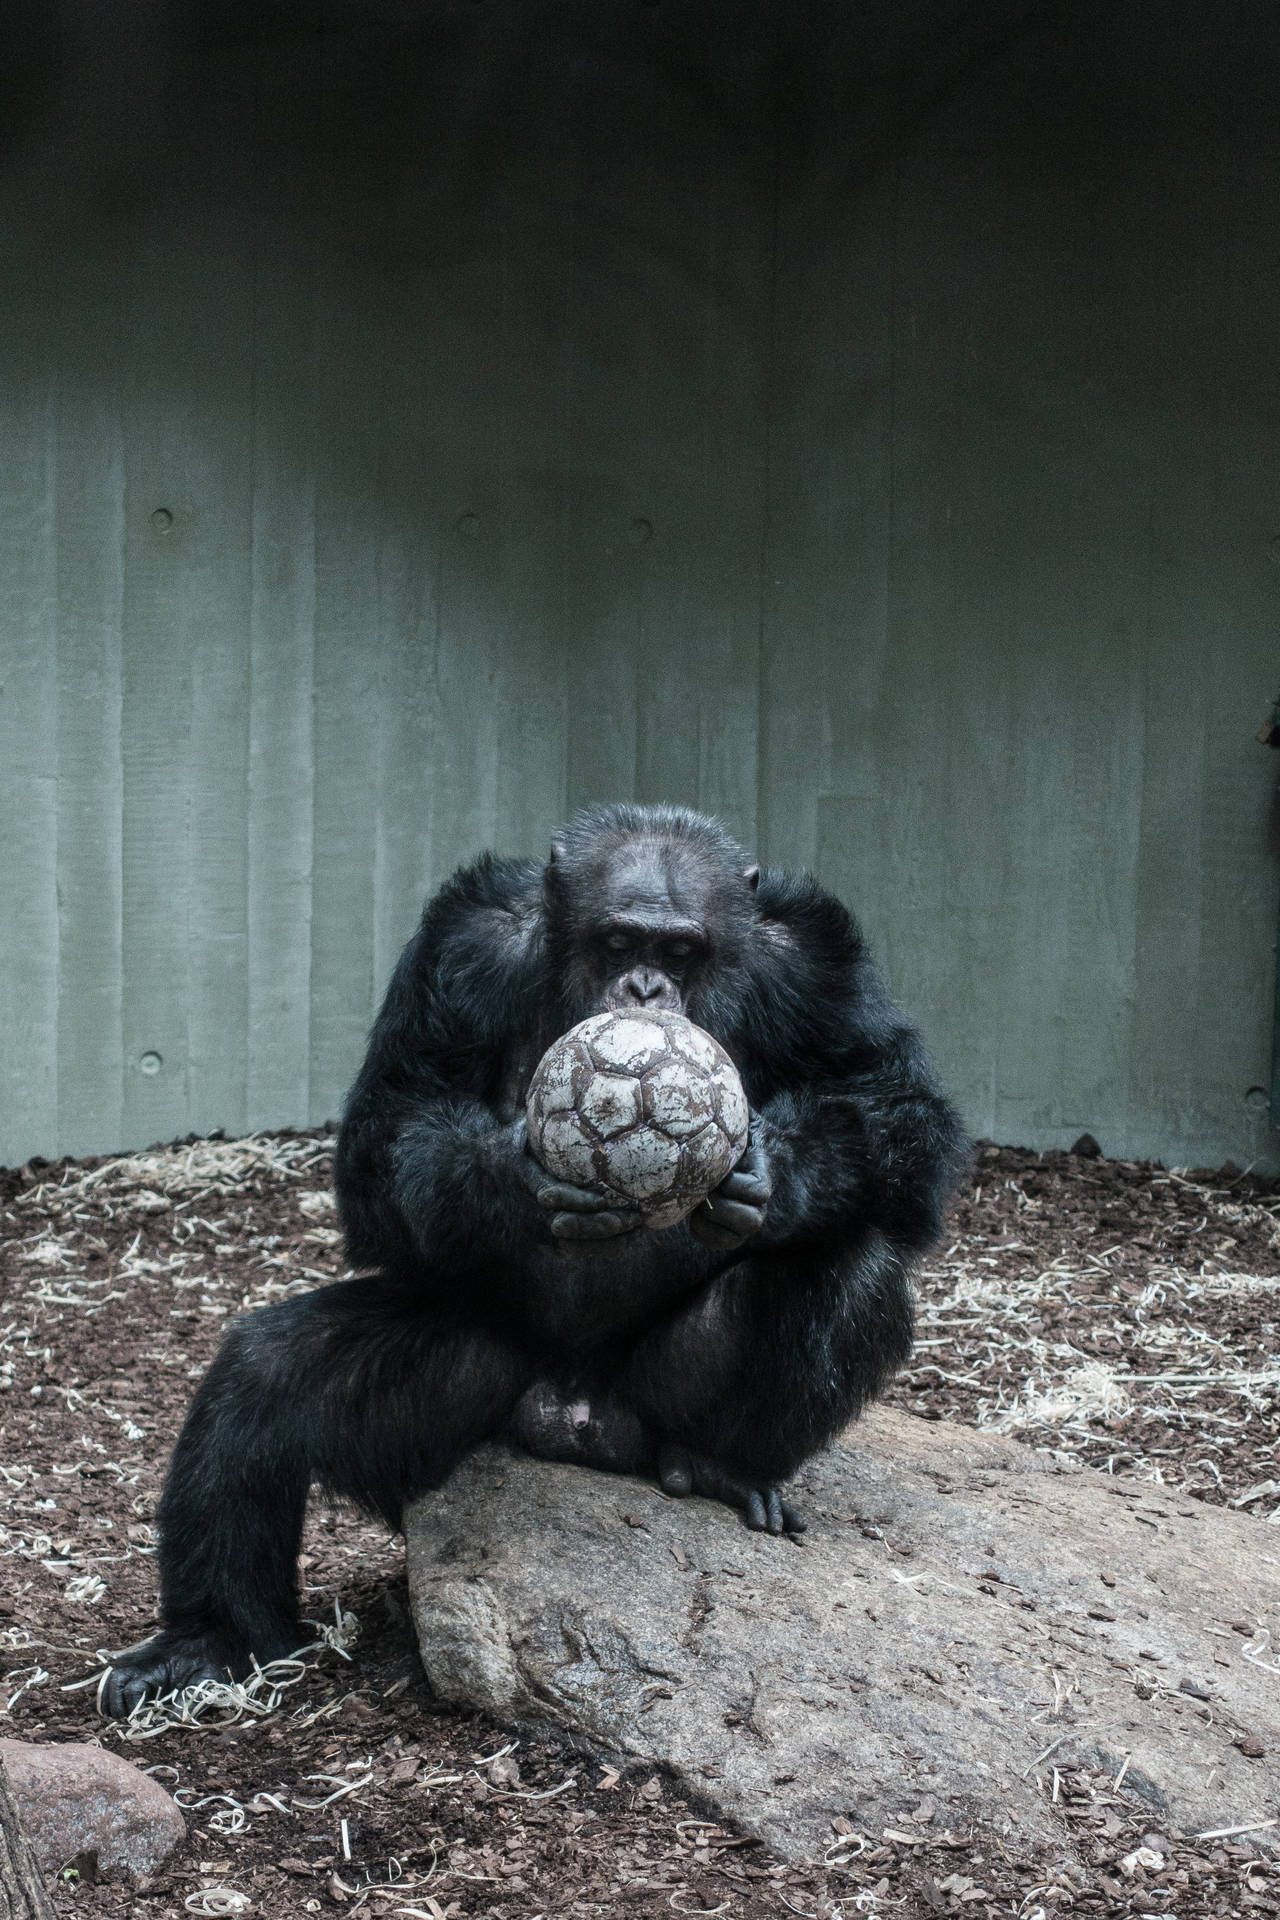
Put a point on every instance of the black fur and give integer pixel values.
(720, 1367)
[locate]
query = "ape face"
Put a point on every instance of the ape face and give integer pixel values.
(639, 929)
(648, 940)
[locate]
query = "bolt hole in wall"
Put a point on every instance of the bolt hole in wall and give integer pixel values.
(150, 1064)
(162, 520)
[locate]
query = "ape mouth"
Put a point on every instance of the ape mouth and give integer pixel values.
(621, 999)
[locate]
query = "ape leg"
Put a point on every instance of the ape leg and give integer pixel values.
(354, 1387)
(764, 1366)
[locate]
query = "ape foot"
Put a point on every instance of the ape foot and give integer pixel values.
(167, 1662)
(762, 1507)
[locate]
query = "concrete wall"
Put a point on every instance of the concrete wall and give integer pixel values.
(419, 420)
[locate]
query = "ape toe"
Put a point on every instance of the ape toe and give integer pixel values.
(675, 1473)
(755, 1513)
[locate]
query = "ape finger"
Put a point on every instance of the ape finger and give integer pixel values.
(753, 1161)
(734, 1216)
(752, 1189)
(793, 1520)
(594, 1227)
(709, 1233)
(558, 1197)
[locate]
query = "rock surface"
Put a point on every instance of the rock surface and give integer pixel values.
(959, 1606)
(76, 1799)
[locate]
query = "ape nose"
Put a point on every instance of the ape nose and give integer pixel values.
(643, 984)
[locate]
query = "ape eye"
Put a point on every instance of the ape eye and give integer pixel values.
(680, 949)
(617, 942)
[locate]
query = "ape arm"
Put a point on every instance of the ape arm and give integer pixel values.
(850, 1131)
(877, 1147)
(429, 1166)
(462, 1182)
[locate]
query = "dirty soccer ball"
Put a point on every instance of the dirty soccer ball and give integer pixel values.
(645, 1107)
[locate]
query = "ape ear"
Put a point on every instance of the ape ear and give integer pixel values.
(752, 877)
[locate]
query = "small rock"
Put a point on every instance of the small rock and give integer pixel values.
(1196, 1688)
(76, 1799)
(1251, 1747)
(1087, 1148)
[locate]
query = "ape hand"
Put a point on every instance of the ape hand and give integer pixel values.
(585, 1222)
(735, 1211)
(580, 1220)
(761, 1506)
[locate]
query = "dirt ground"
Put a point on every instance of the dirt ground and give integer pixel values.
(1121, 1313)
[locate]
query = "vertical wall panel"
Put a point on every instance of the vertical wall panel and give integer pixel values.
(155, 728)
(186, 696)
(90, 587)
(281, 640)
(28, 745)
(824, 579)
(349, 695)
(410, 734)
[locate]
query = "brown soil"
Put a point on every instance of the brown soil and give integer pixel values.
(1117, 1312)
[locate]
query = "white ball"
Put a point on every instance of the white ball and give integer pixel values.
(644, 1107)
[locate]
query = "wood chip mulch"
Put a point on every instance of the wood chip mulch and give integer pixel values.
(1123, 1314)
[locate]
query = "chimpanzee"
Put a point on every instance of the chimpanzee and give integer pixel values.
(493, 1301)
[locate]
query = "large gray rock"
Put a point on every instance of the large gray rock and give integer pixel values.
(959, 1605)
(76, 1799)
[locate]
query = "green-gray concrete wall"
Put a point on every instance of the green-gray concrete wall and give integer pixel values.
(418, 420)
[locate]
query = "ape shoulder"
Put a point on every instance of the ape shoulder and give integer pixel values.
(472, 974)
(487, 918)
(813, 992)
(479, 952)
(798, 919)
